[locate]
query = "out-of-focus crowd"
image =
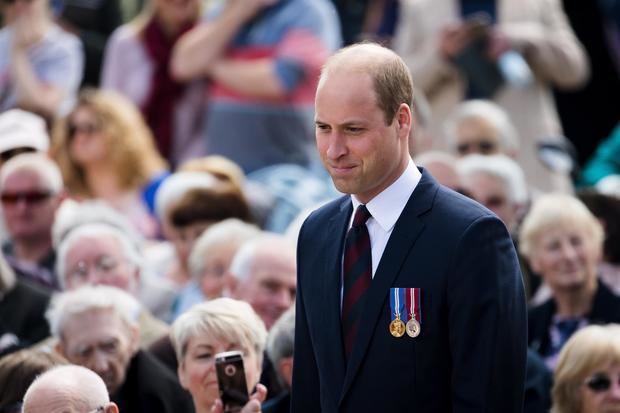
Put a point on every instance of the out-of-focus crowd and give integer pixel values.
(157, 160)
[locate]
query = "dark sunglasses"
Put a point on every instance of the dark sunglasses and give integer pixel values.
(86, 129)
(600, 382)
(478, 147)
(15, 1)
(6, 155)
(31, 197)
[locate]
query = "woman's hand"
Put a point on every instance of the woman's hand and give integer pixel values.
(253, 406)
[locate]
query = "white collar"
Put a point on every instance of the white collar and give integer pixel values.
(387, 206)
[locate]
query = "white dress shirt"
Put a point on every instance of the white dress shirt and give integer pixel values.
(385, 209)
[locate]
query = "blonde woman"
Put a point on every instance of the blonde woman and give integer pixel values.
(213, 327)
(105, 151)
(587, 378)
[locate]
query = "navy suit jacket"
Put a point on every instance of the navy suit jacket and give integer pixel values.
(471, 352)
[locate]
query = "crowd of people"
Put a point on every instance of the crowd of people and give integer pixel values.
(161, 167)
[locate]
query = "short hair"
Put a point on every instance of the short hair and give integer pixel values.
(500, 167)
(178, 184)
(226, 319)
(209, 205)
(73, 214)
(555, 209)
(389, 73)
(281, 338)
(219, 166)
(507, 135)
(19, 369)
(588, 349)
(132, 151)
(69, 304)
(243, 262)
(38, 163)
(231, 230)
(79, 386)
(96, 230)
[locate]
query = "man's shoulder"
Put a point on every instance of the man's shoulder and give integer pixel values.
(328, 210)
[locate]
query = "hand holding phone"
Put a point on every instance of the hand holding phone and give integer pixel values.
(231, 380)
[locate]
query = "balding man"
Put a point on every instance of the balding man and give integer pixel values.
(414, 302)
(68, 389)
(264, 273)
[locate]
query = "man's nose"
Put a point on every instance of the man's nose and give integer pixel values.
(99, 363)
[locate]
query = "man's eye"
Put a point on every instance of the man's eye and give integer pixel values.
(323, 127)
(354, 130)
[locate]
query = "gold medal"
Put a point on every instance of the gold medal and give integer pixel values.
(413, 328)
(397, 327)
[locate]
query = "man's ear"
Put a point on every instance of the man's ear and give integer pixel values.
(404, 117)
(134, 332)
(285, 368)
(60, 349)
(111, 408)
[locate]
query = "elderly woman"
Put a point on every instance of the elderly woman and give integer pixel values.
(213, 327)
(106, 151)
(563, 242)
(587, 379)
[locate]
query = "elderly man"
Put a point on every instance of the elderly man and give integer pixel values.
(280, 343)
(31, 190)
(100, 254)
(97, 328)
(68, 388)
(264, 275)
(498, 183)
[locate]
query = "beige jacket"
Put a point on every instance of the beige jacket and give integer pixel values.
(539, 29)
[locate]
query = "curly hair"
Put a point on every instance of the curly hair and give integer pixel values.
(132, 152)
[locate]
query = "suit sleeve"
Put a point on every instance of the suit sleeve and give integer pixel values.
(305, 394)
(487, 321)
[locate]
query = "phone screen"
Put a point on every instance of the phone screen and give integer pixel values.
(231, 380)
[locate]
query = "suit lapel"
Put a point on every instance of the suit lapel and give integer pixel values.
(331, 330)
(405, 232)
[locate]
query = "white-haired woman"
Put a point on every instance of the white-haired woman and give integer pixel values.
(213, 327)
(563, 242)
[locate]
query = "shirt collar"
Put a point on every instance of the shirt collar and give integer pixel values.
(387, 206)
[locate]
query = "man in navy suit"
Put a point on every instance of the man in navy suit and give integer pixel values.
(439, 325)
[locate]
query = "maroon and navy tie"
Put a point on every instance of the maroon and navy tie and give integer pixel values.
(357, 276)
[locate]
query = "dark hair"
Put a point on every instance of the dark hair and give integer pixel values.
(210, 205)
(607, 209)
(18, 370)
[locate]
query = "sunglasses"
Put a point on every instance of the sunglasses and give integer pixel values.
(9, 2)
(484, 147)
(6, 155)
(31, 197)
(600, 382)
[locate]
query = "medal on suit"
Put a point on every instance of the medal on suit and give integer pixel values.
(397, 326)
(413, 327)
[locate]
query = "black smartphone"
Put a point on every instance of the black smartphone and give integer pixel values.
(231, 380)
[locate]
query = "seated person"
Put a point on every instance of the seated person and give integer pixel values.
(97, 328)
(587, 378)
(68, 389)
(213, 327)
(563, 242)
(17, 372)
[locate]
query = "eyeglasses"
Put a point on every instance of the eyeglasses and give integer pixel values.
(482, 146)
(29, 197)
(600, 382)
(103, 266)
(84, 128)
(98, 409)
